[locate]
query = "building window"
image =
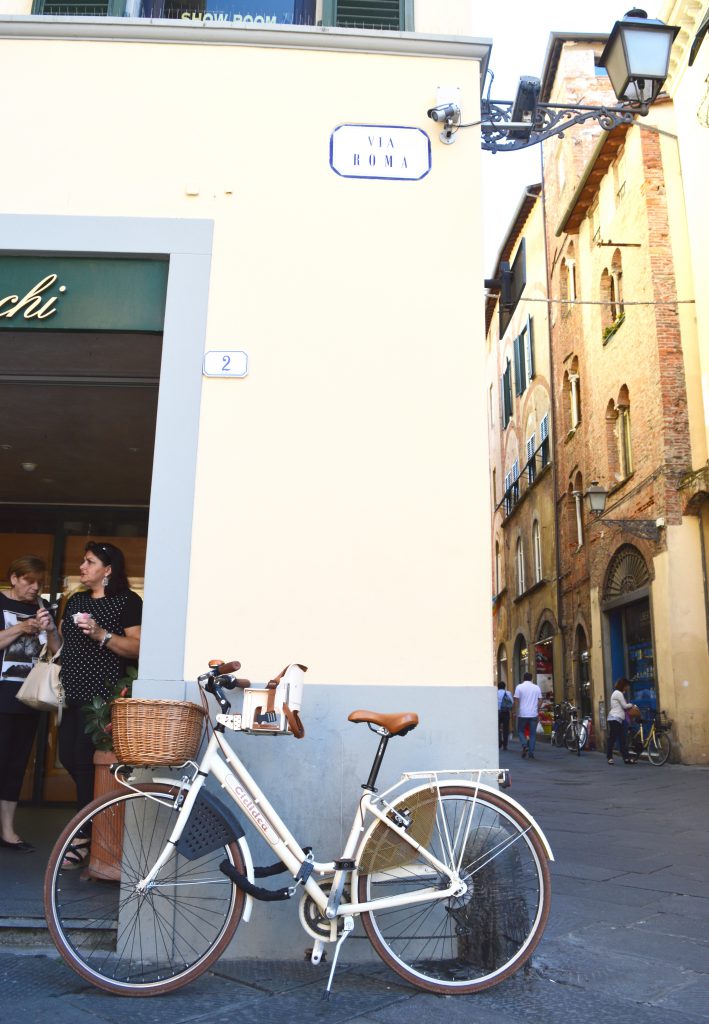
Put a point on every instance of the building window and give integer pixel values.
(237, 12)
(575, 407)
(498, 577)
(577, 495)
(506, 395)
(494, 488)
(567, 279)
(531, 450)
(544, 439)
(379, 14)
(618, 437)
(572, 391)
(524, 357)
(519, 560)
(537, 549)
(618, 308)
(624, 448)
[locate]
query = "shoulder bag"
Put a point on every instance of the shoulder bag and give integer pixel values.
(42, 689)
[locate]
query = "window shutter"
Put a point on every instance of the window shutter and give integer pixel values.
(515, 470)
(381, 14)
(531, 445)
(507, 393)
(529, 346)
(544, 427)
(519, 366)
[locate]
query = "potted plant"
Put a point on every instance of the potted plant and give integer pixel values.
(97, 714)
(107, 835)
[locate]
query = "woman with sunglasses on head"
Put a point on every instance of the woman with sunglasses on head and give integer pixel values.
(101, 632)
(25, 625)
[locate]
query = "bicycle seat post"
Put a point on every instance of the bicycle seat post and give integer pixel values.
(369, 785)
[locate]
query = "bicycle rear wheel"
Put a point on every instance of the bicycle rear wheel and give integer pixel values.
(571, 737)
(658, 748)
(131, 943)
(460, 944)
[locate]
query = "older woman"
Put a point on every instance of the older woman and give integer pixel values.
(101, 632)
(24, 625)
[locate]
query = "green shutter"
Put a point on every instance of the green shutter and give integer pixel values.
(377, 14)
(74, 8)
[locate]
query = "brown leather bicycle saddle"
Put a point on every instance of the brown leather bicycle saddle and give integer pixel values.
(396, 724)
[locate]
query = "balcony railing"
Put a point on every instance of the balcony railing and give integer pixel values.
(517, 490)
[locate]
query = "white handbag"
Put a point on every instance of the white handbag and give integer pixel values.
(42, 689)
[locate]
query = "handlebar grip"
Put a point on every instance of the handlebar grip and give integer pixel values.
(229, 666)
(243, 684)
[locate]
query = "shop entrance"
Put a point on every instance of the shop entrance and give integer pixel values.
(629, 627)
(76, 445)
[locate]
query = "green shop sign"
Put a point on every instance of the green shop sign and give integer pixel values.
(64, 293)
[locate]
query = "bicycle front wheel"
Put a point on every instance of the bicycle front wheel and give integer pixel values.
(467, 943)
(138, 943)
(571, 737)
(658, 748)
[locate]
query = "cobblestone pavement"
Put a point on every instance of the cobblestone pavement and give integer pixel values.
(628, 932)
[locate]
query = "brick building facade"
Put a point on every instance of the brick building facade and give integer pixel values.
(625, 386)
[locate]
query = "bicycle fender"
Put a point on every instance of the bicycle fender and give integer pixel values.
(474, 788)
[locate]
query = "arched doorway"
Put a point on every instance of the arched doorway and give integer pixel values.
(626, 604)
(521, 658)
(502, 664)
(544, 659)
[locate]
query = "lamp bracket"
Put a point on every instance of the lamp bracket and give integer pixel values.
(544, 120)
(646, 529)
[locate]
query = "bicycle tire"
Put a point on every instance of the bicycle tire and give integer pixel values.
(583, 737)
(659, 748)
(571, 737)
(129, 943)
(467, 944)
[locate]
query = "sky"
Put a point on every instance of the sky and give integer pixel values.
(520, 31)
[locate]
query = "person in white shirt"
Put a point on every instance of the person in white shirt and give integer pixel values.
(617, 728)
(528, 698)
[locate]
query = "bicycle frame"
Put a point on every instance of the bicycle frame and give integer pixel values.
(245, 792)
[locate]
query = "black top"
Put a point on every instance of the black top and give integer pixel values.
(89, 670)
(17, 659)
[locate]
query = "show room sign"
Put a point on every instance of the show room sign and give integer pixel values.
(384, 152)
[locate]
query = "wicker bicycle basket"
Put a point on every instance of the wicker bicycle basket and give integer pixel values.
(156, 731)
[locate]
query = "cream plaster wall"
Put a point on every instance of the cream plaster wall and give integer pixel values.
(679, 625)
(341, 515)
(454, 17)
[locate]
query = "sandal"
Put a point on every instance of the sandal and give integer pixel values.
(76, 856)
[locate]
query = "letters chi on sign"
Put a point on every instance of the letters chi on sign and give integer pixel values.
(385, 152)
(225, 363)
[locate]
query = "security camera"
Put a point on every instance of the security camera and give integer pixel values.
(444, 112)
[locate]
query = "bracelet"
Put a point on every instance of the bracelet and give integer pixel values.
(106, 637)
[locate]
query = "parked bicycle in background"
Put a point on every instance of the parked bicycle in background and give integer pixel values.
(567, 731)
(650, 736)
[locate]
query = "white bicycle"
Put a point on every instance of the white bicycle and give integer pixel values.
(448, 875)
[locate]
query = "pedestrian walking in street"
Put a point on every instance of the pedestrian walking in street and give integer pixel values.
(617, 723)
(505, 703)
(528, 698)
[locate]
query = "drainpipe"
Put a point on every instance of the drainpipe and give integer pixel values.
(552, 394)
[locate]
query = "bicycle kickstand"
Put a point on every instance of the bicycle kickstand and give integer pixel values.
(347, 928)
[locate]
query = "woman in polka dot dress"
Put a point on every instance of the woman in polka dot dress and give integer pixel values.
(100, 632)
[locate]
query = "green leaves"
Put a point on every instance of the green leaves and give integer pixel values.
(97, 714)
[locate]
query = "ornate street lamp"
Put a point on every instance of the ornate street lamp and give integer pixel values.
(636, 57)
(596, 496)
